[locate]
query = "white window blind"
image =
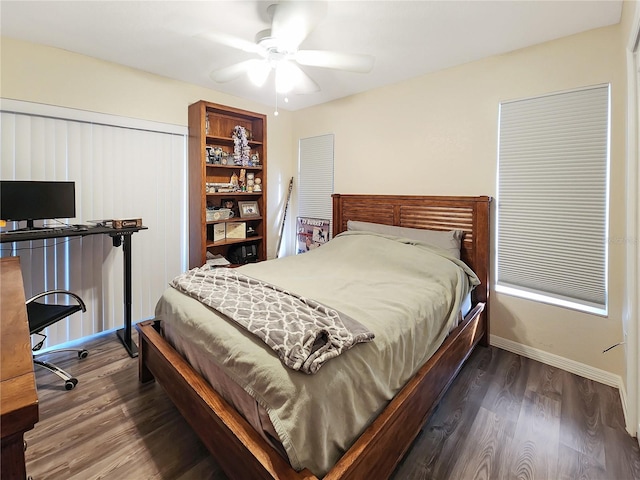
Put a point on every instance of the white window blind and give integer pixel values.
(552, 198)
(119, 172)
(315, 177)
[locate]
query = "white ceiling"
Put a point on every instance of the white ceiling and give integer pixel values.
(407, 38)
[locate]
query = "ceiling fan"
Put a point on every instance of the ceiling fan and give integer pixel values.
(278, 50)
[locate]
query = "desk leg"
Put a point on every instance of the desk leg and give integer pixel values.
(125, 333)
(12, 465)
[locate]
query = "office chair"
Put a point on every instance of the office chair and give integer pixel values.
(42, 315)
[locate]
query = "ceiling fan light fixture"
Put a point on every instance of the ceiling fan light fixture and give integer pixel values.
(287, 76)
(258, 72)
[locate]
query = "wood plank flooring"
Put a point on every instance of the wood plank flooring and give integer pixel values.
(504, 417)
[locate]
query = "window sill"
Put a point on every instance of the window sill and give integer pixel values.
(550, 300)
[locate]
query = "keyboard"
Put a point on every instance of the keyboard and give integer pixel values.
(36, 231)
(28, 232)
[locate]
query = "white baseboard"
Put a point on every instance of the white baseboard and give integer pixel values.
(571, 366)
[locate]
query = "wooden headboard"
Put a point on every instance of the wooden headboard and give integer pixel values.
(469, 214)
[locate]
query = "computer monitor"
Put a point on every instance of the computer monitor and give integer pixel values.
(33, 200)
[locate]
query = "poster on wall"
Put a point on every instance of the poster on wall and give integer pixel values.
(312, 233)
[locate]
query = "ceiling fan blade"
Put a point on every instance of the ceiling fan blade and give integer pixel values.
(294, 20)
(226, 74)
(291, 79)
(304, 84)
(352, 62)
(233, 42)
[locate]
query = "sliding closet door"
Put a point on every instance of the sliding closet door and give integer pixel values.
(120, 171)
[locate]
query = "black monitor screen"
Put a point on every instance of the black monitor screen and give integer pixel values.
(27, 200)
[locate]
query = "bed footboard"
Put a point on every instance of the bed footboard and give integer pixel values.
(235, 445)
(242, 453)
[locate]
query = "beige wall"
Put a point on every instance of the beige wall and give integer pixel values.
(437, 134)
(41, 74)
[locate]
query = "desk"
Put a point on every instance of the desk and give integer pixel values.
(120, 236)
(18, 397)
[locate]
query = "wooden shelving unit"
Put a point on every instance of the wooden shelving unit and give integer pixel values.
(221, 121)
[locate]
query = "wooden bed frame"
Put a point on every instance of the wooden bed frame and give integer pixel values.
(243, 454)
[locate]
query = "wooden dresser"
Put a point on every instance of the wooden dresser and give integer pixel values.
(18, 397)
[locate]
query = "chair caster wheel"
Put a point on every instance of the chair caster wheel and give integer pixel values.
(71, 383)
(83, 354)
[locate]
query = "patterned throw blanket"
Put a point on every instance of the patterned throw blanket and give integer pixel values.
(304, 333)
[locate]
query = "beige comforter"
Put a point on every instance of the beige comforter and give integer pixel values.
(407, 293)
(304, 333)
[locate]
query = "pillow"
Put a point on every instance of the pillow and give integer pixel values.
(449, 241)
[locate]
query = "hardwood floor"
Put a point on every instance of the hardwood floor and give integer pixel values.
(504, 417)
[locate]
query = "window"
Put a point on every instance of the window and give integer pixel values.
(553, 163)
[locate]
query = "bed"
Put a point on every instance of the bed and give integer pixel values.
(243, 452)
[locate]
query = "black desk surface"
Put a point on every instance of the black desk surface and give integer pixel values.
(59, 232)
(119, 236)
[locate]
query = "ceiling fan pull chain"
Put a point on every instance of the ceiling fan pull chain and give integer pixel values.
(276, 112)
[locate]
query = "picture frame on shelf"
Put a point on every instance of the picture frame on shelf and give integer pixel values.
(219, 232)
(249, 209)
(230, 203)
(236, 230)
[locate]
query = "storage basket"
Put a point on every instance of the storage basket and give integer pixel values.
(219, 214)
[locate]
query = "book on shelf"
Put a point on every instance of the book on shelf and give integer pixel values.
(217, 260)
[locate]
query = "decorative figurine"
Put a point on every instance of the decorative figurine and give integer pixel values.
(250, 181)
(242, 179)
(217, 155)
(257, 187)
(241, 147)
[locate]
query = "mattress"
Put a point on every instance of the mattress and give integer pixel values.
(235, 395)
(409, 294)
